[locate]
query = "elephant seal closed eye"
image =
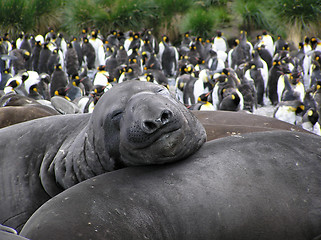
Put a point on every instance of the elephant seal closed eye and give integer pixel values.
(134, 123)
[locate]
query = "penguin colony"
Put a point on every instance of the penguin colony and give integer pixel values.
(71, 75)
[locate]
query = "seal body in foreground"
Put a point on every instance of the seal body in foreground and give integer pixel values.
(134, 123)
(262, 185)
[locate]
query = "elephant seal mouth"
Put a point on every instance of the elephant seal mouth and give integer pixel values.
(140, 138)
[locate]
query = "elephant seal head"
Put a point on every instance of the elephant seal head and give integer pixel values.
(140, 123)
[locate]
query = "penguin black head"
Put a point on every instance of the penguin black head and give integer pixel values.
(199, 39)
(189, 69)
(101, 68)
(226, 71)
(84, 30)
(26, 55)
(204, 97)
(219, 33)
(24, 76)
(69, 45)
(129, 69)
(44, 77)
(192, 46)
(165, 38)
(75, 80)
(45, 45)
(312, 116)
(58, 67)
(13, 44)
(85, 39)
(6, 37)
(317, 59)
(14, 84)
(6, 71)
(236, 42)
(61, 92)
(149, 77)
(21, 35)
(54, 36)
(136, 35)
(296, 77)
(306, 40)
(286, 47)
(94, 34)
(33, 88)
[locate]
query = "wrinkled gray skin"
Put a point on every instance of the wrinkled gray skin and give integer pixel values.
(262, 185)
(134, 123)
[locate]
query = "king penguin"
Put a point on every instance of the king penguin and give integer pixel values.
(53, 61)
(289, 111)
(35, 55)
(5, 76)
(310, 122)
(77, 46)
(88, 53)
(99, 48)
(72, 62)
(220, 42)
(267, 40)
(59, 80)
(232, 100)
(25, 44)
(45, 54)
(169, 58)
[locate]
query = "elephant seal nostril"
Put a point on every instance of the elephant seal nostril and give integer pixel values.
(166, 116)
(149, 126)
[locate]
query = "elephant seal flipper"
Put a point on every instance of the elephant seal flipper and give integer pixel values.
(262, 185)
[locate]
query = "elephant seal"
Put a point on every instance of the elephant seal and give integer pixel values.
(134, 123)
(260, 185)
(220, 124)
(17, 114)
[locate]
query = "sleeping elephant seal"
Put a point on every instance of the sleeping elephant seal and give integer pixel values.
(134, 123)
(262, 185)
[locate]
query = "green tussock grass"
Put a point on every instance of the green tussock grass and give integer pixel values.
(172, 17)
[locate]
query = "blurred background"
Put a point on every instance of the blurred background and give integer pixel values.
(292, 19)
